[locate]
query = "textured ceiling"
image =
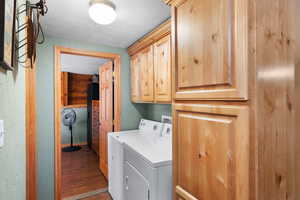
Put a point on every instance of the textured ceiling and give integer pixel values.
(81, 64)
(69, 19)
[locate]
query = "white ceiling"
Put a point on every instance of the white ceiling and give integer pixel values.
(69, 19)
(81, 64)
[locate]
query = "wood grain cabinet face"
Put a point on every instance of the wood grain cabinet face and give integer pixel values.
(135, 77)
(211, 152)
(147, 75)
(95, 126)
(162, 70)
(210, 49)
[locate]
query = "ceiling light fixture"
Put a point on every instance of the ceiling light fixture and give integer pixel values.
(102, 11)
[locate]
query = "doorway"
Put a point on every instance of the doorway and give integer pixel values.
(109, 107)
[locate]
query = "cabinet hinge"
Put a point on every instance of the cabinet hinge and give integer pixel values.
(113, 76)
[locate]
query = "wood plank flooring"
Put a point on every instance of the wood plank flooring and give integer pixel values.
(80, 173)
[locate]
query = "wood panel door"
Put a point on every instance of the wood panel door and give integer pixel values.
(135, 78)
(211, 152)
(147, 75)
(162, 70)
(210, 49)
(106, 113)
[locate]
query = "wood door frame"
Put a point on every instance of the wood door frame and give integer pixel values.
(30, 110)
(58, 50)
(30, 128)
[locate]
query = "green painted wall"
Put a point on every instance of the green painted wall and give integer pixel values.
(131, 113)
(155, 111)
(79, 128)
(12, 154)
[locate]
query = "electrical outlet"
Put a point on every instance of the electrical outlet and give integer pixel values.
(1, 133)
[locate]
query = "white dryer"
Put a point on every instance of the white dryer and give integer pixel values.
(148, 167)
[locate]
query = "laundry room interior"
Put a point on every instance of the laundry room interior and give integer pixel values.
(149, 100)
(82, 139)
(113, 84)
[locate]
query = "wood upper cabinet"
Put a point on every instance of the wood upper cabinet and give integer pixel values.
(162, 70)
(135, 67)
(151, 66)
(147, 75)
(211, 152)
(151, 73)
(210, 49)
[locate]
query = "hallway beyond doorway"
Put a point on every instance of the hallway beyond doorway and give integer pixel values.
(80, 173)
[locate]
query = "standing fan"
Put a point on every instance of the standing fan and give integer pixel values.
(69, 118)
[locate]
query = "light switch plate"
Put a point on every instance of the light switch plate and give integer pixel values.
(1, 133)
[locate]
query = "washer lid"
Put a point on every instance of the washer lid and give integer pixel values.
(122, 135)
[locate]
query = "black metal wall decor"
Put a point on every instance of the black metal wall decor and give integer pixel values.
(7, 33)
(12, 24)
(35, 34)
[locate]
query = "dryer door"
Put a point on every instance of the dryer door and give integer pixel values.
(136, 186)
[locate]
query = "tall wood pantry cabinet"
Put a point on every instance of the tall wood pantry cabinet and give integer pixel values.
(233, 100)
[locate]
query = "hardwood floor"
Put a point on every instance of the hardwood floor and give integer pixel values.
(80, 173)
(102, 196)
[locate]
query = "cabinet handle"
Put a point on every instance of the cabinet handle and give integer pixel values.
(126, 183)
(199, 156)
(202, 155)
(184, 194)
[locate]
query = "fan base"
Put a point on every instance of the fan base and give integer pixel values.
(71, 149)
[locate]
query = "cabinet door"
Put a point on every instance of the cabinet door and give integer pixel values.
(210, 49)
(135, 78)
(147, 75)
(211, 152)
(162, 69)
(136, 186)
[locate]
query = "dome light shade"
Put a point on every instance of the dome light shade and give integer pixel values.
(102, 11)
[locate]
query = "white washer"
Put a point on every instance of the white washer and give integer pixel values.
(148, 131)
(115, 163)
